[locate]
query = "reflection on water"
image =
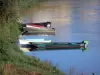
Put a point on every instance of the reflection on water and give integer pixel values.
(74, 20)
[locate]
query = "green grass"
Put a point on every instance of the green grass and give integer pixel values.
(9, 52)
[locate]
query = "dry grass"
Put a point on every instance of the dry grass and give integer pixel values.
(9, 69)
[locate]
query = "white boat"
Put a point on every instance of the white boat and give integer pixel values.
(26, 41)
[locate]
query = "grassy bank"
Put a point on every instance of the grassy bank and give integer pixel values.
(11, 57)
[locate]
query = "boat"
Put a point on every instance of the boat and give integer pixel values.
(41, 24)
(41, 46)
(26, 41)
(30, 28)
(36, 25)
(41, 31)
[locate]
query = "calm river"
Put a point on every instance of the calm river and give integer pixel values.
(74, 20)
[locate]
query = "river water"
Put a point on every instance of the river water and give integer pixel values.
(74, 20)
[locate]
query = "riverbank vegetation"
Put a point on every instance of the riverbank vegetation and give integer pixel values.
(12, 59)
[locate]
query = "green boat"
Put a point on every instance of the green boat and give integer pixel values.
(55, 46)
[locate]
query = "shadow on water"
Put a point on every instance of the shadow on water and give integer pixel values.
(74, 21)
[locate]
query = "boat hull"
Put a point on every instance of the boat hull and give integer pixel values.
(41, 24)
(38, 29)
(54, 46)
(29, 31)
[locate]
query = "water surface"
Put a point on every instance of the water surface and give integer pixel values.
(74, 20)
